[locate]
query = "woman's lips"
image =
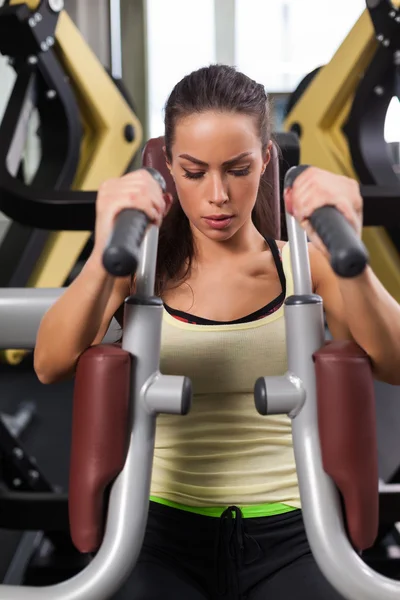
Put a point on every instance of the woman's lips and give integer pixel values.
(218, 221)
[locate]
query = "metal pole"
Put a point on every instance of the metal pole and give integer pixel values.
(115, 39)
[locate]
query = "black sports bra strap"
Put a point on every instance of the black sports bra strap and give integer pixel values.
(276, 253)
(258, 314)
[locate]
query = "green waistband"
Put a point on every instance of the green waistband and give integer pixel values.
(256, 510)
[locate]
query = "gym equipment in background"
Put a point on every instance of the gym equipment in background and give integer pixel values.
(31, 505)
(339, 113)
(88, 133)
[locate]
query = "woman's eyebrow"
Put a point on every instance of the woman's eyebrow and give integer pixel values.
(231, 161)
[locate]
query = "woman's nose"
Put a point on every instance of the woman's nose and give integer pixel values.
(218, 193)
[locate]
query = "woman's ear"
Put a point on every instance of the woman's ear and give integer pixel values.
(168, 202)
(267, 158)
(169, 166)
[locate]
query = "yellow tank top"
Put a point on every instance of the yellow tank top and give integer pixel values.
(223, 452)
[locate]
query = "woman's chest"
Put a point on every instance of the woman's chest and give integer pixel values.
(221, 359)
(224, 297)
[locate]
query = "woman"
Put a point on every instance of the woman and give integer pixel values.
(225, 518)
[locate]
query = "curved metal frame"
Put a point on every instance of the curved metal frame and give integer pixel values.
(86, 93)
(322, 510)
(349, 97)
(366, 122)
(60, 151)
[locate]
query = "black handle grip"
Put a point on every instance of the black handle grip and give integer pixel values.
(348, 255)
(293, 174)
(121, 255)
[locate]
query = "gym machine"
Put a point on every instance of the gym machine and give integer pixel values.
(88, 133)
(327, 392)
(339, 110)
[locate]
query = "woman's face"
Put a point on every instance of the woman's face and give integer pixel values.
(217, 163)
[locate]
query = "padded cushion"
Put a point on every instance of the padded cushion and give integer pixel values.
(100, 429)
(153, 156)
(347, 429)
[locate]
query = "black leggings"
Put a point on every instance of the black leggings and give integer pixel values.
(187, 556)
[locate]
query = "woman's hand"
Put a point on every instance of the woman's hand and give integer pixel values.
(138, 190)
(315, 188)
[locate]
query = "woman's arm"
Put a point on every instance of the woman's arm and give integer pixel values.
(358, 308)
(361, 309)
(78, 319)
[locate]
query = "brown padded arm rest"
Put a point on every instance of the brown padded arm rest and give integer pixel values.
(347, 429)
(100, 428)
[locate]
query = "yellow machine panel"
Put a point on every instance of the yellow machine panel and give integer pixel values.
(320, 114)
(105, 151)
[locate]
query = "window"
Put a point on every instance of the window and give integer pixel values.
(279, 41)
(180, 39)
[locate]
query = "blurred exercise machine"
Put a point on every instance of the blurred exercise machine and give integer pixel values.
(36, 545)
(88, 132)
(339, 111)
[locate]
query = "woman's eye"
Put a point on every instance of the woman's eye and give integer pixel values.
(199, 174)
(191, 175)
(240, 172)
